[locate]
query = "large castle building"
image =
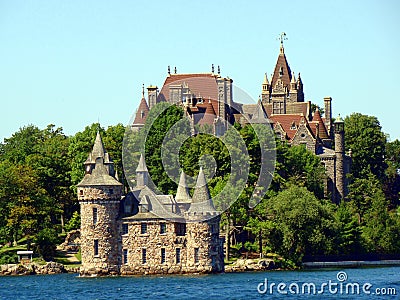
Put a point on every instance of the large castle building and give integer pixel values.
(143, 232)
(207, 99)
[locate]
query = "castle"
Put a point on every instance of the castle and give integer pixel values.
(143, 232)
(207, 99)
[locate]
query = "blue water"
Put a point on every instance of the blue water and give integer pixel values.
(220, 286)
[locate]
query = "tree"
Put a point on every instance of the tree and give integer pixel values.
(391, 185)
(363, 135)
(296, 223)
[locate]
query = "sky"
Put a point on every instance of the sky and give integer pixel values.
(74, 63)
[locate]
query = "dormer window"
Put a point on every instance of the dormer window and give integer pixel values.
(142, 114)
(293, 126)
(281, 72)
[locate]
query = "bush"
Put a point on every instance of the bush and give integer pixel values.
(46, 242)
(8, 258)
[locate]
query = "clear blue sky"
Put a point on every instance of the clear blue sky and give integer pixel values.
(71, 63)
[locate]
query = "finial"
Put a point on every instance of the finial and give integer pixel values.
(282, 37)
(219, 70)
(143, 90)
(212, 68)
(293, 78)
(169, 70)
(175, 70)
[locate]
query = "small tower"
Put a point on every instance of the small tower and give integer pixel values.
(142, 174)
(99, 196)
(340, 157)
(204, 246)
(182, 197)
(266, 90)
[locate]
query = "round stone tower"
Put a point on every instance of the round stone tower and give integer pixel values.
(340, 156)
(99, 196)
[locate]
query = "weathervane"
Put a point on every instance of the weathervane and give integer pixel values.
(282, 37)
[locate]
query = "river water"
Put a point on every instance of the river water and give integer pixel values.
(361, 283)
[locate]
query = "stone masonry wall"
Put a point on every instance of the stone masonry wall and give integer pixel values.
(105, 231)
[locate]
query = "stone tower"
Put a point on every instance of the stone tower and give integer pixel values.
(203, 230)
(340, 159)
(99, 196)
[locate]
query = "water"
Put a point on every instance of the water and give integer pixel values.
(220, 286)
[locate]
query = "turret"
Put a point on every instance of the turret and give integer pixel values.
(340, 156)
(99, 196)
(142, 174)
(266, 90)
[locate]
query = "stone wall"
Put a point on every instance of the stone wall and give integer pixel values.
(197, 235)
(104, 230)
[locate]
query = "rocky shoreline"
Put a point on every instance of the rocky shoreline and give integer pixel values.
(241, 265)
(35, 269)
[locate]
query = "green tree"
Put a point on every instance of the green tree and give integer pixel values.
(391, 185)
(363, 135)
(299, 224)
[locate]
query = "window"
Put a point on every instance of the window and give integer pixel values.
(143, 228)
(214, 228)
(180, 229)
(111, 191)
(81, 192)
(163, 255)
(125, 256)
(144, 258)
(178, 255)
(94, 215)
(163, 228)
(96, 247)
(196, 255)
(124, 228)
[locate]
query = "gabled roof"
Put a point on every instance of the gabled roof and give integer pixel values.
(142, 112)
(287, 73)
(259, 116)
(289, 123)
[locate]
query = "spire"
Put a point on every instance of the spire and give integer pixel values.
(201, 193)
(98, 151)
(282, 70)
(141, 165)
(293, 78)
(142, 173)
(182, 193)
(143, 91)
(266, 79)
(142, 111)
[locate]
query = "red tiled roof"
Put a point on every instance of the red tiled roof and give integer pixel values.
(323, 133)
(142, 112)
(286, 121)
(204, 85)
(209, 115)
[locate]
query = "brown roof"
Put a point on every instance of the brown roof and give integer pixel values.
(289, 123)
(323, 133)
(209, 115)
(287, 73)
(142, 112)
(203, 84)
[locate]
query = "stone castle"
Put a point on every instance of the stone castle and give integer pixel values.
(143, 232)
(207, 98)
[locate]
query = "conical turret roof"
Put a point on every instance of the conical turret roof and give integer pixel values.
(201, 201)
(141, 165)
(182, 193)
(98, 150)
(282, 70)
